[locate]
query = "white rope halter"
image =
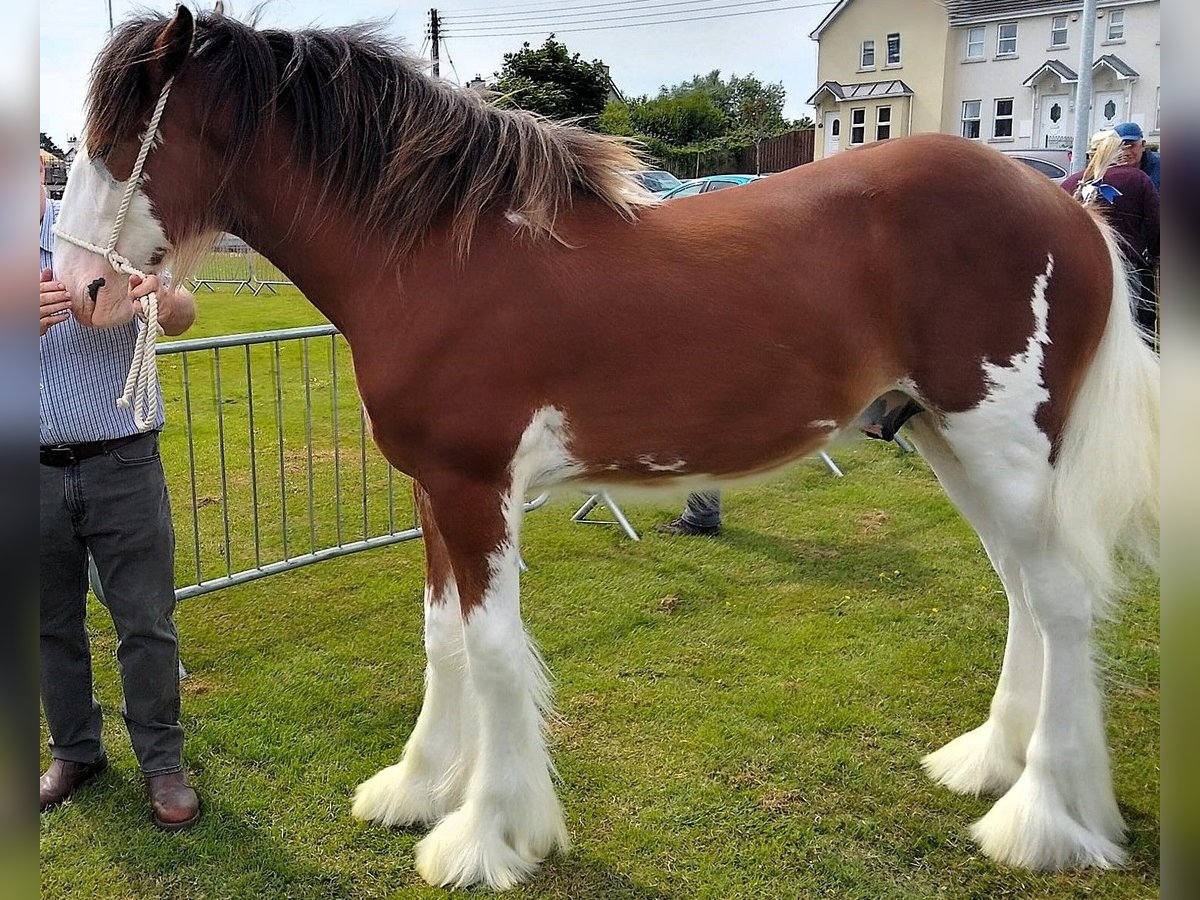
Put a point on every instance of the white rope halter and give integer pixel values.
(141, 387)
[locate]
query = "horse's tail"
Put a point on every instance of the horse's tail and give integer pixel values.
(1105, 495)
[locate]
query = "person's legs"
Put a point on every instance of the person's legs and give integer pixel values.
(1147, 305)
(72, 713)
(703, 509)
(701, 515)
(127, 526)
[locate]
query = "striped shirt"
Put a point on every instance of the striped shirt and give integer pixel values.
(82, 371)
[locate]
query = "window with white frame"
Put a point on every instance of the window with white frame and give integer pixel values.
(1006, 39)
(975, 42)
(858, 126)
(1002, 122)
(1116, 25)
(893, 49)
(970, 118)
(883, 123)
(866, 56)
(1058, 31)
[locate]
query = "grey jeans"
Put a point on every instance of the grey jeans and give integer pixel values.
(703, 509)
(116, 506)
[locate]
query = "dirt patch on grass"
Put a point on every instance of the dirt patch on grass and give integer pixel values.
(781, 803)
(872, 521)
(669, 604)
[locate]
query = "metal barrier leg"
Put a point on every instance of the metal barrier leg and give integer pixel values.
(825, 457)
(903, 443)
(619, 518)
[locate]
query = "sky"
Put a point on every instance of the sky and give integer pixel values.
(763, 38)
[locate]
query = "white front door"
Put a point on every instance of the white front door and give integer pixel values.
(833, 133)
(1056, 126)
(1108, 110)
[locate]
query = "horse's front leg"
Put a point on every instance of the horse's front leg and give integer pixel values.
(510, 819)
(431, 778)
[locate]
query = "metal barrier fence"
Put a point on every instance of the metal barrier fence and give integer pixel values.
(267, 443)
(234, 262)
(272, 457)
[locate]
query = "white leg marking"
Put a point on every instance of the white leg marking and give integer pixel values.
(1061, 810)
(431, 778)
(511, 818)
(989, 759)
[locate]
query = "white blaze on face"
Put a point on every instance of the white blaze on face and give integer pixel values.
(89, 209)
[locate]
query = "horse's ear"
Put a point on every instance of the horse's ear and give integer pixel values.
(219, 8)
(171, 47)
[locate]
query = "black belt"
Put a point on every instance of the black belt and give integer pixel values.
(68, 454)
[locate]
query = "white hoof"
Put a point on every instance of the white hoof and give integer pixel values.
(1031, 827)
(405, 794)
(468, 848)
(978, 762)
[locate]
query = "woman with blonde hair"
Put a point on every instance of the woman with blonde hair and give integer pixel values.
(1129, 201)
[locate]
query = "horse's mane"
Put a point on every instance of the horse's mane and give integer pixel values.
(398, 148)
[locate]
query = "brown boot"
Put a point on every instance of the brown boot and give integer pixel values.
(173, 802)
(64, 778)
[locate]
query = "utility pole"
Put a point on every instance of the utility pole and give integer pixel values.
(435, 38)
(110, 21)
(1083, 87)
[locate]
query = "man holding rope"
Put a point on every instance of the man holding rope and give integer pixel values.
(103, 491)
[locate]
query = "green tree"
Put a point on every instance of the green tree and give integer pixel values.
(749, 105)
(552, 81)
(679, 120)
(47, 143)
(615, 119)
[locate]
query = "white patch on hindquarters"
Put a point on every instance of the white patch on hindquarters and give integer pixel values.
(823, 423)
(647, 461)
(1003, 427)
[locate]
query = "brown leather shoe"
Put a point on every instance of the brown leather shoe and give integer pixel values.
(173, 802)
(64, 778)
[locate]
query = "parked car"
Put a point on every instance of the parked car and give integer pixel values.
(708, 184)
(656, 181)
(1054, 164)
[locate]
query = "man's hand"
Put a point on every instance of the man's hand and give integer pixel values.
(55, 302)
(176, 307)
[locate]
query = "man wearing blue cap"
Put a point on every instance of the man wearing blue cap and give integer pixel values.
(1146, 160)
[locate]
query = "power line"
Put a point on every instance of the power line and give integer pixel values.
(566, 11)
(672, 21)
(530, 3)
(457, 77)
(607, 16)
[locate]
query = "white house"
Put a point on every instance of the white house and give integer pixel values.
(998, 71)
(1011, 66)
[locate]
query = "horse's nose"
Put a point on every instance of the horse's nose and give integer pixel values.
(94, 288)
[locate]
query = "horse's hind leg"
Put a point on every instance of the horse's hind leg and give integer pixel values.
(510, 818)
(430, 779)
(989, 759)
(1061, 811)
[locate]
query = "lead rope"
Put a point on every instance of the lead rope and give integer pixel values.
(141, 386)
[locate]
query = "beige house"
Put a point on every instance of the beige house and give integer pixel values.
(881, 68)
(999, 71)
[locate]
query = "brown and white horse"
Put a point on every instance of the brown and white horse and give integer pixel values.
(516, 311)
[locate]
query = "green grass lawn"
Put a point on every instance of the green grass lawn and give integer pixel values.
(739, 717)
